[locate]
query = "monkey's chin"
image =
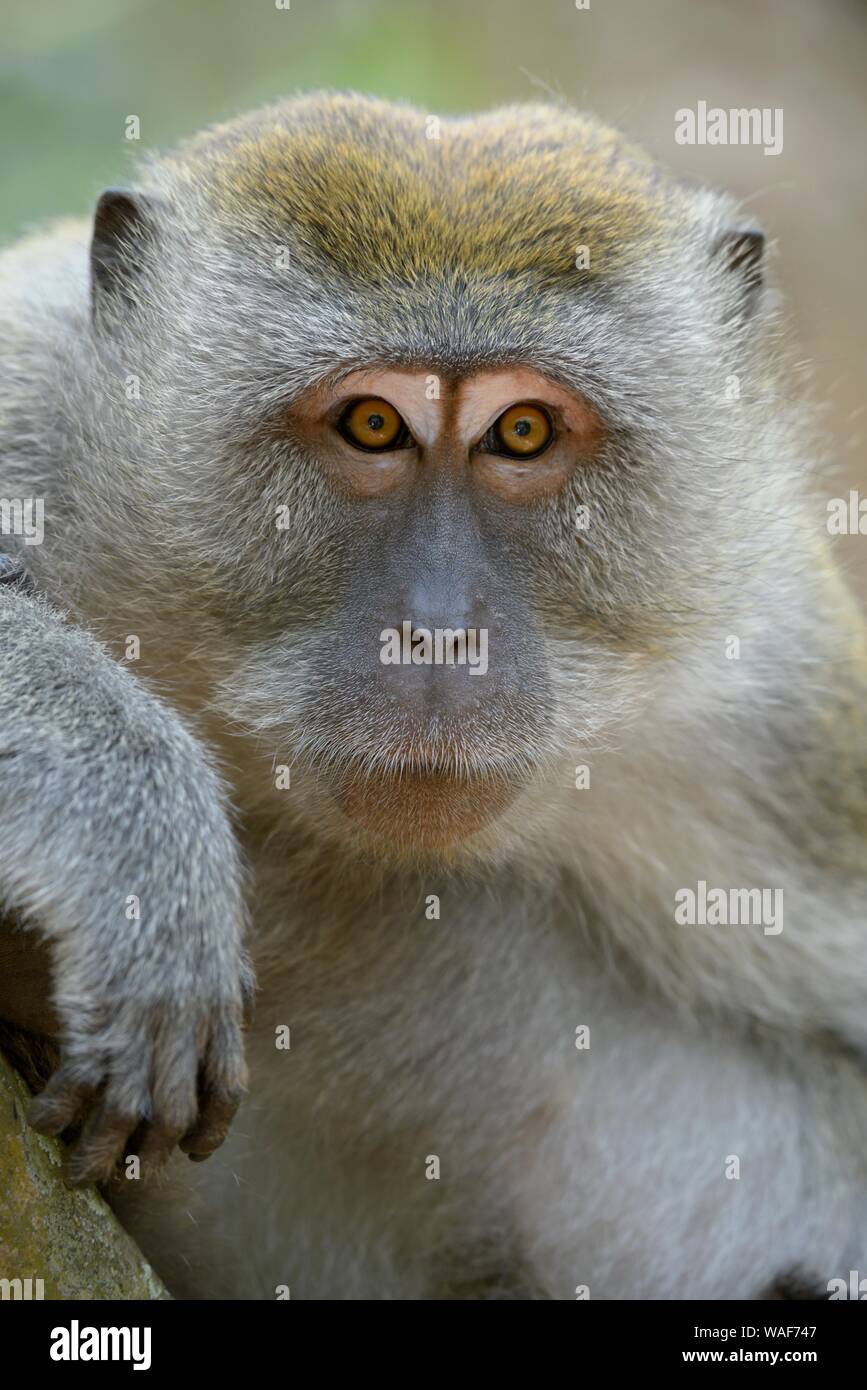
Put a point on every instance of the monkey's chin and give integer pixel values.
(424, 812)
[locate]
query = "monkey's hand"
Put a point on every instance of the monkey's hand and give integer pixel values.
(116, 847)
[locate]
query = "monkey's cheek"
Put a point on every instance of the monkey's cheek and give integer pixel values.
(424, 811)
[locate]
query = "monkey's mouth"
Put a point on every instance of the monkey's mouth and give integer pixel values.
(430, 809)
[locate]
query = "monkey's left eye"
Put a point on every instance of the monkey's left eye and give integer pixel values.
(522, 431)
(373, 424)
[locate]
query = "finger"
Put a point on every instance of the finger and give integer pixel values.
(101, 1145)
(174, 1096)
(222, 1083)
(215, 1119)
(66, 1099)
(154, 1146)
(125, 1102)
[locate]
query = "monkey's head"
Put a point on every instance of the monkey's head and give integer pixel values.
(442, 439)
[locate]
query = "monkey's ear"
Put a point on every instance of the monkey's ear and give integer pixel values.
(742, 252)
(123, 224)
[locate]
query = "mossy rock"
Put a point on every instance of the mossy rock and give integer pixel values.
(67, 1238)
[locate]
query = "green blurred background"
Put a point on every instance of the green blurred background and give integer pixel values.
(71, 71)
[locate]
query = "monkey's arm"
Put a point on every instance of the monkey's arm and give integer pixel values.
(116, 848)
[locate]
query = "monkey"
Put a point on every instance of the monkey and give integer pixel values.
(332, 382)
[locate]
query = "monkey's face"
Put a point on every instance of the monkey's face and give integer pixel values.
(432, 700)
(430, 499)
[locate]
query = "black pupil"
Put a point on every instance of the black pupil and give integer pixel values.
(522, 427)
(375, 422)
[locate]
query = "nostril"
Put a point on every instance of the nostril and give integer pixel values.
(453, 638)
(416, 644)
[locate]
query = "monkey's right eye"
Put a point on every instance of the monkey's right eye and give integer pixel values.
(372, 424)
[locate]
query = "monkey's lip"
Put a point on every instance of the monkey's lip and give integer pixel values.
(428, 809)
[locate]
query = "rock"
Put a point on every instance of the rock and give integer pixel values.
(68, 1239)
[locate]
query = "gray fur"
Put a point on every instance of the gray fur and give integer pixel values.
(105, 794)
(454, 1037)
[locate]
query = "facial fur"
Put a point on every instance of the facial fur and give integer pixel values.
(249, 273)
